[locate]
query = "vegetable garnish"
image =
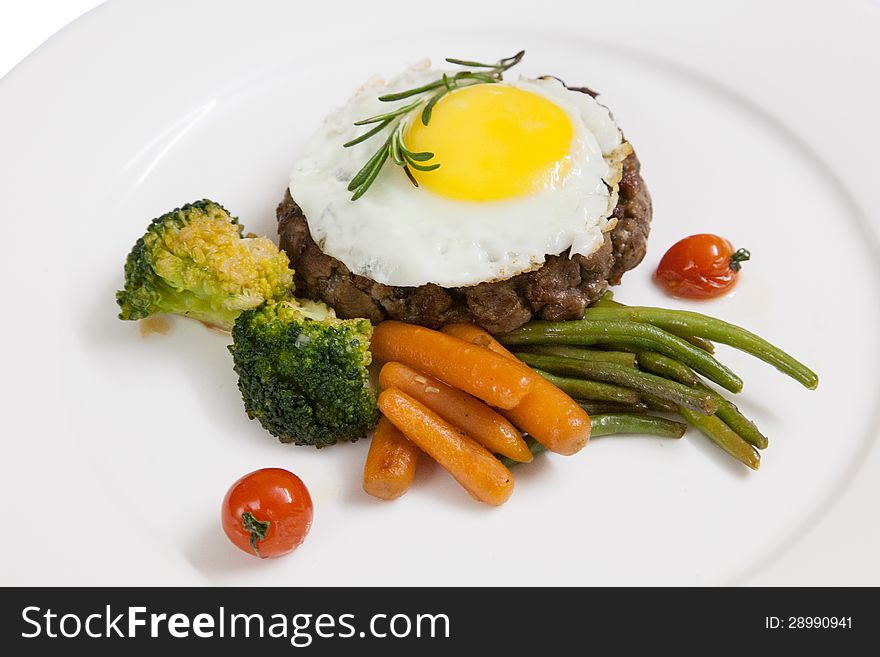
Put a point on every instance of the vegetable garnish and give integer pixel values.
(394, 146)
(624, 376)
(609, 327)
(698, 404)
(468, 413)
(197, 262)
(302, 372)
(613, 424)
(700, 267)
(548, 412)
(472, 465)
(391, 462)
(267, 513)
(709, 328)
(479, 372)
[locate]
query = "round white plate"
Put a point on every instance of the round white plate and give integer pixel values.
(118, 449)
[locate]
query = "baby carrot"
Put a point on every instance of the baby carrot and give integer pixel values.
(547, 414)
(553, 418)
(480, 473)
(468, 367)
(478, 336)
(391, 462)
(460, 409)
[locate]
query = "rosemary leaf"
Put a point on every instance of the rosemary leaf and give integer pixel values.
(364, 173)
(429, 107)
(422, 167)
(509, 62)
(371, 176)
(368, 134)
(423, 156)
(465, 62)
(396, 145)
(482, 77)
(389, 115)
(400, 95)
(410, 176)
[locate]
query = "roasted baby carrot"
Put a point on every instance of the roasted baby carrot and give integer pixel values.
(391, 462)
(480, 473)
(478, 336)
(465, 366)
(553, 418)
(547, 414)
(460, 409)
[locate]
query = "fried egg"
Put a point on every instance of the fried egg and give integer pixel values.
(528, 168)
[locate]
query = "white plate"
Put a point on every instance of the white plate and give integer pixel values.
(117, 450)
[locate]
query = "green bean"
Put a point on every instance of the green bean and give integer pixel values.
(613, 424)
(660, 405)
(648, 337)
(629, 347)
(727, 410)
(607, 301)
(711, 329)
(624, 376)
(723, 436)
(651, 361)
(602, 408)
(595, 355)
(733, 417)
(591, 390)
(697, 341)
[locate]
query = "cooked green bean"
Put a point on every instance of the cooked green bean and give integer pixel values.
(651, 361)
(711, 329)
(595, 355)
(648, 337)
(591, 390)
(723, 436)
(602, 408)
(697, 341)
(659, 405)
(733, 417)
(727, 410)
(623, 376)
(607, 301)
(616, 423)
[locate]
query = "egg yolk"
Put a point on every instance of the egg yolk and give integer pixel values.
(492, 142)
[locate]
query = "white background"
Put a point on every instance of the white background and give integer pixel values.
(26, 24)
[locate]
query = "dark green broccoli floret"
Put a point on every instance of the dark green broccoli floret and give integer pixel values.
(303, 372)
(193, 261)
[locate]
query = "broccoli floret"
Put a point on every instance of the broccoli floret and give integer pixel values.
(303, 372)
(193, 261)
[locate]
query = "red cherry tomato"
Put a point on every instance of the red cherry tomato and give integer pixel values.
(267, 512)
(700, 267)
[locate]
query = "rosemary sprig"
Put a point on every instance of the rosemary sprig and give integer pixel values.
(394, 147)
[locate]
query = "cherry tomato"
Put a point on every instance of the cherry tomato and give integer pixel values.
(267, 512)
(700, 267)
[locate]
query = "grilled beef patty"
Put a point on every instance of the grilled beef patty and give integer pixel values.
(560, 289)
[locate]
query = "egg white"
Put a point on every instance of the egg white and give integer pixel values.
(397, 234)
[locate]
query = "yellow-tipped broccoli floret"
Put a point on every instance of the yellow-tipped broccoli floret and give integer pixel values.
(193, 261)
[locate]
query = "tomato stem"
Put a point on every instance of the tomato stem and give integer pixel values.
(256, 528)
(740, 256)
